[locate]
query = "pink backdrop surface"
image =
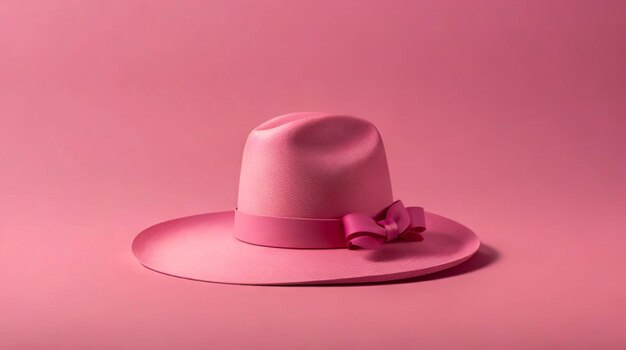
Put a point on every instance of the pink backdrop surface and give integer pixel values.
(509, 117)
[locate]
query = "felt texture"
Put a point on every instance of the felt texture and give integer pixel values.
(314, 165)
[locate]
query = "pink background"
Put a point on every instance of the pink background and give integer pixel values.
(507, 116)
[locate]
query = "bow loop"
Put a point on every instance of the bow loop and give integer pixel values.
(362, 231)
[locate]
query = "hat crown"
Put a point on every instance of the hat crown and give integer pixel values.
(314, 165)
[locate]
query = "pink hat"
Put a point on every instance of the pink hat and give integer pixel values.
(314, 207)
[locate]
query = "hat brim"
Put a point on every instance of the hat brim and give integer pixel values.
(203, 247)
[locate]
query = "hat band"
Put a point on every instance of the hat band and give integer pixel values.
(281, 232)
(354, 230)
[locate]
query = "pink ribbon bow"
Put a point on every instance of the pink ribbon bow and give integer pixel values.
(363, 231)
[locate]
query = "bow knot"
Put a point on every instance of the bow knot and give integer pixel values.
(391, 229)
(362, 231)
